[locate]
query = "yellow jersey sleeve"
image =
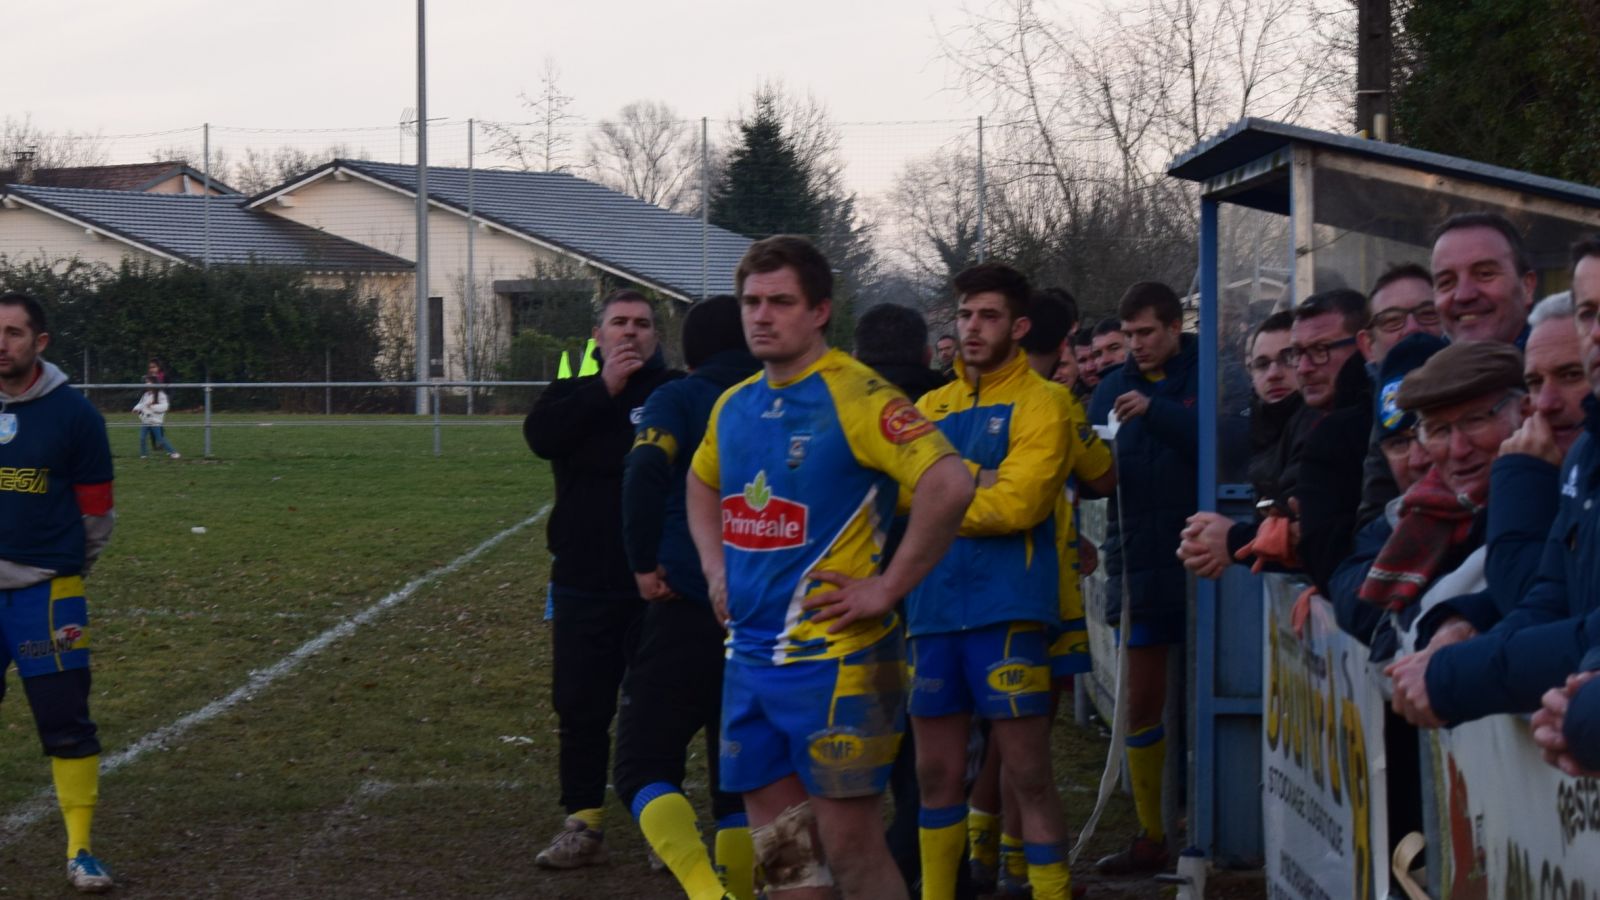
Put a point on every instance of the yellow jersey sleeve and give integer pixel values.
(706, 464)
(885, 431)
(1091, 457)
(1031, 475)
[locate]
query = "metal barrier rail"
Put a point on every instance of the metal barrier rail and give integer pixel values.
(432, 387)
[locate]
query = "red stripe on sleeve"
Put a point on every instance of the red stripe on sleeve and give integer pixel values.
(93, 499)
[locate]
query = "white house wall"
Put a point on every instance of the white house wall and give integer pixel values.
(383, 219)
(28, 234)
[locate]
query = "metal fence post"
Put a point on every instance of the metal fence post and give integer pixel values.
(434, 390)
(327, 375)
(208, 416)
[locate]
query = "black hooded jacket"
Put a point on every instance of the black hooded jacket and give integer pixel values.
(586, 433)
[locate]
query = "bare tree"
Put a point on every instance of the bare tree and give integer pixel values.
(1089, 112)
(49, 149)
(648, 152)
(540, 145)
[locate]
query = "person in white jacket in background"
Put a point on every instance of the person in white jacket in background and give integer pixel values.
(152, 410)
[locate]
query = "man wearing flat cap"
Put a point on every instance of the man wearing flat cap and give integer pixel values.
(1555, 628)
(1468, 399)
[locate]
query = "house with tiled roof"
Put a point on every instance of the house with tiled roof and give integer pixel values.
(110, 226)
(525, 226)
(170, 177)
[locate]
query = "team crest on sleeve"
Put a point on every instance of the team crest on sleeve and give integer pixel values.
(636, 415)
(902, 423)
(8, 427)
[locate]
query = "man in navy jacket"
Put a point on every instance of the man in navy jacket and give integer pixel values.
(1153, 395)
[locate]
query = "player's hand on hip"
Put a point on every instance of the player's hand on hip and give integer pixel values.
(851, 599)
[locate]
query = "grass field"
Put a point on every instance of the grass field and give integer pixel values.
(410, 754)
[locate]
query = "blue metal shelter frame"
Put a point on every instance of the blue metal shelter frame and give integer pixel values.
(1390, 196)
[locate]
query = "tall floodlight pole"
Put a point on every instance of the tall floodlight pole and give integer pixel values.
(472, 274)
(422, 206)
(705, 208)
(982, 189)
(205, 193)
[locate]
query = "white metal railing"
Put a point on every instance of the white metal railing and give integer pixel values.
(433, 388)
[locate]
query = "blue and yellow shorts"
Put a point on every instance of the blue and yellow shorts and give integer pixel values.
(836, 723)
(997, 672)
(1069, 648)
(44, 627)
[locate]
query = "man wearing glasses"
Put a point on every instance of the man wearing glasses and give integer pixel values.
(1333, 377)
(1402, 305)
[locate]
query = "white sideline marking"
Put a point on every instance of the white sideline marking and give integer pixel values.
(30, 811)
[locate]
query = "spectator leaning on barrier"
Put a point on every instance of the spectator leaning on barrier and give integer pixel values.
(1468, 399)
(585, 426)
(1553, 630)
(1402, 304)
(673, 686)
(1332, 377)
(1408, 462)
(1527, 471)
(55, 517)
(1154, 397)
(1273, 407)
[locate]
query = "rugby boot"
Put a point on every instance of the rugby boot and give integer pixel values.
(575, 846)
(87, 875)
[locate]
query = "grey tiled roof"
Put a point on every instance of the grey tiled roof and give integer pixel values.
(648, 244)
(175, 224)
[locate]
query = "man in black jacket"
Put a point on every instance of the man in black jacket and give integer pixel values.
(585, 426)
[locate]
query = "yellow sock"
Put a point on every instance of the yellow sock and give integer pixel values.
(1012, 861)
(983, 837)
(942, 833)
(77, 790)
(668, 823)
(1047, 871)
(736, 857)
(1147, 761)
(594, 818)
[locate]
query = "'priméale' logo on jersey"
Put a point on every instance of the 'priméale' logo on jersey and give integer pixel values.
(756, 520)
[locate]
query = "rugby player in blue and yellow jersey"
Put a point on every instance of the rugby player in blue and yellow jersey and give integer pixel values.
(789, 496)
(55, 517)
(982, 621)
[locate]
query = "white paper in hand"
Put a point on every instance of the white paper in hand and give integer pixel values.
(1108, 431)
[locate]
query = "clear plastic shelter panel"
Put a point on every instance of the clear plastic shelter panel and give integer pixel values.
(1368, 215)
(1254, 280)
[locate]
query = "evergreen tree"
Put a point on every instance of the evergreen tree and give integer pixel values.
(1510, 82)
(766, 189)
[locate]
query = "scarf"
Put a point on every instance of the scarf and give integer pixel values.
(1434, 520)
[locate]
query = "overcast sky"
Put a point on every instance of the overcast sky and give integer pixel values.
(120, 67)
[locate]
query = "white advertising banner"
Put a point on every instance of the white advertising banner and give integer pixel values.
(1513, 827)
(1322, 757)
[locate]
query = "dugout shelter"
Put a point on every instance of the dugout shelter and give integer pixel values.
(1286, 212)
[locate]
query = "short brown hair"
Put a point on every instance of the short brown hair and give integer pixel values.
(773, 253)
(999, 278)
(1152, 295)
